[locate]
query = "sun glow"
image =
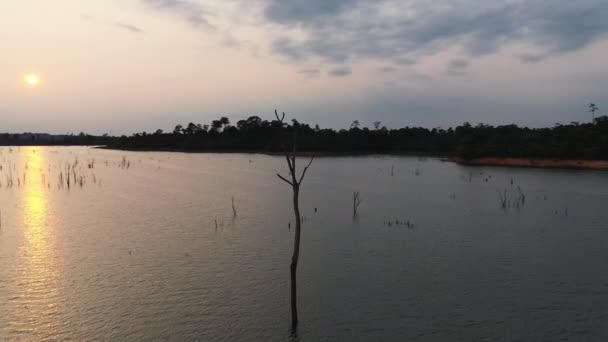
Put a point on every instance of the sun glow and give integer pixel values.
(32, 80)
(40, 273)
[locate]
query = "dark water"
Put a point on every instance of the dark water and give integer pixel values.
(133, 253)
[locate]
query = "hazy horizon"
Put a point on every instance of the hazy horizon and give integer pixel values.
(137, 65)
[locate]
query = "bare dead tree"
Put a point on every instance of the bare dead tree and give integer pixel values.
(356, 202)
(295, 183)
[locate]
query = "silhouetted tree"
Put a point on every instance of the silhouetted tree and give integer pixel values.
(601, 119)
(216, 126)
(593, 108)
(178, 129)
(191, 128)
(295, 183)
(225, 121)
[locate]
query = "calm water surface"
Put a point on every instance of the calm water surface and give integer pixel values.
(131, 251)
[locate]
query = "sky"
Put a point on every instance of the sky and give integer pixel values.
(125, 66)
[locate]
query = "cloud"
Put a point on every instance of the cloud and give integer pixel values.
(311, 72)
(404, 61)
(293, 11)
(532, 58)
(387, 69)
(340, 71)
(340, 31)
(189, 11)
(457, 67)
(129, 27)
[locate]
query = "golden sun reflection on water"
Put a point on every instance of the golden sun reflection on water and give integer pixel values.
(35, 303)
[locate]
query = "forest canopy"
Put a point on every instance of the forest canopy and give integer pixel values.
(570, 141)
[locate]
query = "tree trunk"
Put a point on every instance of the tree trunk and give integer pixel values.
(295, 257)
(295, 185)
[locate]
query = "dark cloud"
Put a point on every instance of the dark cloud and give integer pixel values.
(293, 11)
(532, 58)
(190, 11)
(404, 61)
(340, 71)
(338, 31)
(301, 51)
(289, 48)
(129, 27)
(457, 67)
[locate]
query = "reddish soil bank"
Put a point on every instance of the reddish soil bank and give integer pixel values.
(532, 162)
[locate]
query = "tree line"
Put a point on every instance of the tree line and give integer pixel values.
(44, 139)
(574, 140)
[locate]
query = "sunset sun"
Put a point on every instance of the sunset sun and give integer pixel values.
(32, 80)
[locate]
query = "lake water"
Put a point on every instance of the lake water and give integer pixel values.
(144, 246)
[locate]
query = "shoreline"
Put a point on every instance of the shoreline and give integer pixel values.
(277, 153)
(577, 164)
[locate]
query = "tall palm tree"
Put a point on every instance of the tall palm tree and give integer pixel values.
(593, 108)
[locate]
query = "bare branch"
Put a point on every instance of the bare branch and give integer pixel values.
(310, 162)
(306, 169)
(284, 179)
(276, 113)
(291, 166)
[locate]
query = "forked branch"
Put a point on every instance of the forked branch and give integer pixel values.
(284, 179)
(291, 157)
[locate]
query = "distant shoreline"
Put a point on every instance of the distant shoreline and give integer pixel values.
(275, 153)
(580, 164)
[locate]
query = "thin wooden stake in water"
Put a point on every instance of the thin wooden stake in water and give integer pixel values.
(233, 207)
(356, 202)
